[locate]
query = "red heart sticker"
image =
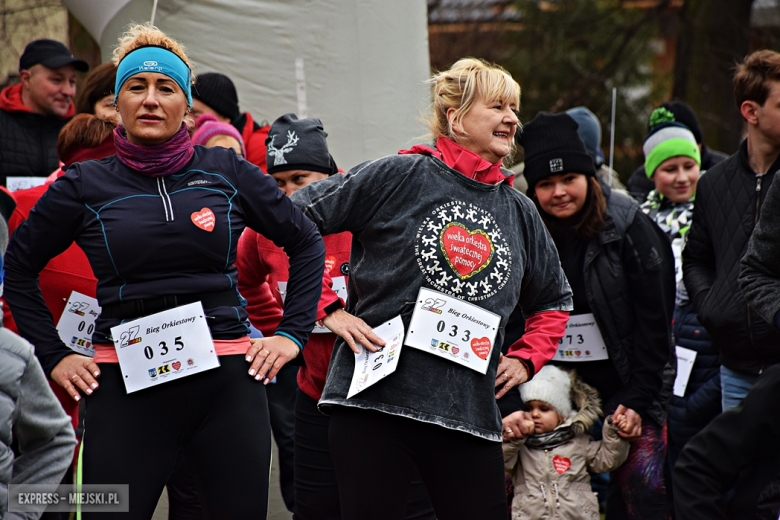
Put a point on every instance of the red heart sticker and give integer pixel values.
(204, 219)
(455, 350)
(481, 347)
(577, 352)
(467, 252)
(176, 365)
(561, 464)
(330, 261)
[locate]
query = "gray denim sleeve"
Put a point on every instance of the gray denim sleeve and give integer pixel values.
(348, 202)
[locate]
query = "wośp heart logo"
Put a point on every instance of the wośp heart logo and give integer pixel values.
(204, 219)
(462, 251)
(467, 252)
(561, 464)
(481, 347)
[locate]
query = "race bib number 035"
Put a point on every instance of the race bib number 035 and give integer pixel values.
(452, 329)
(77, 323)
(163, 347)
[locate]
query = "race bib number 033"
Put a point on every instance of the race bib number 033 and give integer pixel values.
(452, 329)
(77, 323)
(163, 347)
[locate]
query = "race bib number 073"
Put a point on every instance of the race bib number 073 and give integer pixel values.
(453, 329)
(582, 341)
(162, 347)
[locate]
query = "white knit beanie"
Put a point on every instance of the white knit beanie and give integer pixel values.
(551, 385)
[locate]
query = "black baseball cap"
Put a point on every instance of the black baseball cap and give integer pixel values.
(49, 53)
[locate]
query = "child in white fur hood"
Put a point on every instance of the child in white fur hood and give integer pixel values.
(550, 465)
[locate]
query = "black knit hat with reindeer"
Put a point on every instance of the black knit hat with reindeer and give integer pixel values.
(298, 144)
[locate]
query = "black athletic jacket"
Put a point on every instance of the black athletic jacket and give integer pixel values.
(147, 237)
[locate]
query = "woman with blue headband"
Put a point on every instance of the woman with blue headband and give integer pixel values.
(174, 367)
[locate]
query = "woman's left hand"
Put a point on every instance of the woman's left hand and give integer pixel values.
(511, 372)
(268, 355)
(633, 425)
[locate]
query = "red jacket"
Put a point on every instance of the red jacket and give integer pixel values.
(254, 141)
(67, 272)
(261, 266)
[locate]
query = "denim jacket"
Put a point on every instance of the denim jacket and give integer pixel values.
(397, 209)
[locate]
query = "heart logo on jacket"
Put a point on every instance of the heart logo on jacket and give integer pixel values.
(204, 219)
(330, 262)
(481, 347)
(467, 252)
(561, 464)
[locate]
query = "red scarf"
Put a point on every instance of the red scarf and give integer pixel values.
(463, 161)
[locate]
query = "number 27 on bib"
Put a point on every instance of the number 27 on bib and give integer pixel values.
(453, 329)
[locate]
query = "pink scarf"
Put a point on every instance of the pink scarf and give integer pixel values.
(463, 161)
(158, 160)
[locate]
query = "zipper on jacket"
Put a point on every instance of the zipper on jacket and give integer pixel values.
(548, 469)
(166, 199)
(759, 178)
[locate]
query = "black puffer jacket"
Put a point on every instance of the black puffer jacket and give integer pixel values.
(28, 144)
(629, 277)
(728, 204)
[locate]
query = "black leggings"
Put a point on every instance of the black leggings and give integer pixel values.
(316, 488)
(219, 417)
(374, 454)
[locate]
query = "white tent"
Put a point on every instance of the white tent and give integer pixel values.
(358, 65)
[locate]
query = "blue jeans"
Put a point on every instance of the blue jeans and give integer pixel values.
(734, 386)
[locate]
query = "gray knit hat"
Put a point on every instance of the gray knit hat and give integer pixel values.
(294, 144)
(551, 385)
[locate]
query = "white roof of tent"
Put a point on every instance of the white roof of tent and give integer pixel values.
(94, 16)
(364, 62)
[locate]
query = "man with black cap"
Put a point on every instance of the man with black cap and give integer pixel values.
(215, 93)
(639, 185)
(33, 112)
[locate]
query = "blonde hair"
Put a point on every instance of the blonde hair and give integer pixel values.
(147, 35)
(460, 87)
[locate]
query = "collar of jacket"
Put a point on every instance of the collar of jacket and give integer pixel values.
(743, 160)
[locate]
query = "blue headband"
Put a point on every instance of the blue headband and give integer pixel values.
(154, 59)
